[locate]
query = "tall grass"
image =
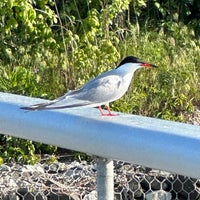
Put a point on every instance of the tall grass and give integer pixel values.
(174, 88)
(167, 92)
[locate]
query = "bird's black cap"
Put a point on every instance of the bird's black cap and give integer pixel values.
(130, 59)
(133, 59)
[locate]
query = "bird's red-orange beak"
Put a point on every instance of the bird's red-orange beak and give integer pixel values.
(148, 65)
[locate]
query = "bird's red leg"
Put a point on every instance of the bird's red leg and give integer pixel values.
(101, 111)
(106, 114)
(109, 112)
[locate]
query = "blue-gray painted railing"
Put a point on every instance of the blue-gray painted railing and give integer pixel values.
(150, 142)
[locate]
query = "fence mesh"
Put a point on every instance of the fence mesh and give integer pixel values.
(77, 181)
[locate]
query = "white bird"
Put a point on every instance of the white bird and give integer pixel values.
(103, 89)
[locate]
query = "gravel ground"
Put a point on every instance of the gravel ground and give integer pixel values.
(193, 118)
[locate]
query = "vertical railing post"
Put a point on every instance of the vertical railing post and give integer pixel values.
(105, 179)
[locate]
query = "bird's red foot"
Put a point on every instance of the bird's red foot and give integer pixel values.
(107, 114)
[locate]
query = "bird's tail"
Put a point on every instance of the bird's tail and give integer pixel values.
(39, 106)
(51, 106)
(57, 103)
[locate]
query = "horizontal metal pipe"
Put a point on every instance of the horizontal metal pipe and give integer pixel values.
(150, 142)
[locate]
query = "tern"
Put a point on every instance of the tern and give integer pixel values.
(103, 89)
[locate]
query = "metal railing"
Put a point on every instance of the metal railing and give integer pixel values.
(141, 140)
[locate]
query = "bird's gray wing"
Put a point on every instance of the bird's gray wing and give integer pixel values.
(59, 103)
(101, 89)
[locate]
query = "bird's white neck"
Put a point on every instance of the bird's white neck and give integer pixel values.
(128, 68)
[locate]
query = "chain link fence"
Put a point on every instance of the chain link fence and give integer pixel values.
(77, 181)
